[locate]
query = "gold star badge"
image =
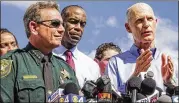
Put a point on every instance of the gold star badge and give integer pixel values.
(65, 74)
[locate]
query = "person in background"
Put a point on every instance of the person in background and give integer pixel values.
(33, 73)
(104, 52)
(74, 22)
(8, 41)
(143, 55)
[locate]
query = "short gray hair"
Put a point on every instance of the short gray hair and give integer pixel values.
(33, 13)
(138, 5)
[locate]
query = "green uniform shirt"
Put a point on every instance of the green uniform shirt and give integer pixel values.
(22, 76)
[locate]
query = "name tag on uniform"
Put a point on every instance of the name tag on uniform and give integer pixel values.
(29, 77)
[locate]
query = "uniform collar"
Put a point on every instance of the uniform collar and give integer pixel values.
(136, 51)
(36, 53)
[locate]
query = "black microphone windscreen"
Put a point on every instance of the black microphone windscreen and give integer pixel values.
(164, 99)
(140, 96)
(170, 89)
(148, 86)
(89, 89)
(103, 83)
(134, 83)
(71, 88)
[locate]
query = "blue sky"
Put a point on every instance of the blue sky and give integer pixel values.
(105, 23)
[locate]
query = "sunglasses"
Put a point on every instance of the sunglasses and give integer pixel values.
(53, 23)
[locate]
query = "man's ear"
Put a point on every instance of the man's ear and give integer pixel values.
(33, 27)
(156, 20)
(127, 27)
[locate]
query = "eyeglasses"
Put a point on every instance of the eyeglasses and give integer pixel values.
(53, 23)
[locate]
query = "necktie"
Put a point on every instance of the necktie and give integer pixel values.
(47, 75)
(69, 59)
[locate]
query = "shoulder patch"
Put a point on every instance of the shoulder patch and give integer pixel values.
(6, 66)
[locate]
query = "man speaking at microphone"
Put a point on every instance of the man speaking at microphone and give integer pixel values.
(31, 74)
(143, 55)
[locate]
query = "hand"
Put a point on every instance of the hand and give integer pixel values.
(143, 62)
(167, 68)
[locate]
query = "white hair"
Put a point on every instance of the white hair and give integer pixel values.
(139, 6)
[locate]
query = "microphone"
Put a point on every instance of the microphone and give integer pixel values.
(173, 92)
(164, 99)
(89, 89)
(144, 75)
(103, 83)
(149, 90)
(148, 86)
(71, 88)
(175, 97)
(104, 89)
(133, 86)
(71, 94)
(141, 98)
(57, 94)
(170, 89)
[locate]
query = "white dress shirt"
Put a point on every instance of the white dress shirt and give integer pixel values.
(125, 63)
(85, 67)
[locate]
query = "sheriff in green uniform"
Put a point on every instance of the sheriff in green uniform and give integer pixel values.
(24, 77)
